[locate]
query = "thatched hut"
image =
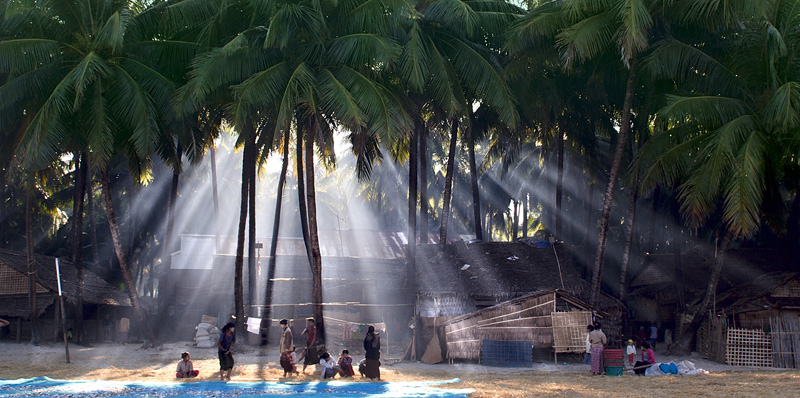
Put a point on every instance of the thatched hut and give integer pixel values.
(669, 286)
(551, 320)
(756, 324)
(465, 278)
(97, 293)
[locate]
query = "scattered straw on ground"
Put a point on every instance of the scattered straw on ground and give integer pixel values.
(129, 363)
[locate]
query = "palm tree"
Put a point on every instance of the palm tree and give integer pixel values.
(588, 30)
(92, 82)
(732, 125)
(450, 61)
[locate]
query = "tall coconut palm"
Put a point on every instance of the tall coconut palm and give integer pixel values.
(583, 31)
(318, 60)
(90, 82)
(731, 126)
(449, 62)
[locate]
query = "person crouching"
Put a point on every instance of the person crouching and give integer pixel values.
(329, 369)
(185, 368)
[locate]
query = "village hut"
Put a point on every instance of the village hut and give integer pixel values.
(468, 281)
(756, 323)
(669, 286)
(553, 320)
(98, 295)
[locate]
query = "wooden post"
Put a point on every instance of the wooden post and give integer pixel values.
(63, 314)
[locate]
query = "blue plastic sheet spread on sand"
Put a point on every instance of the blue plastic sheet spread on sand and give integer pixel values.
(47, 387)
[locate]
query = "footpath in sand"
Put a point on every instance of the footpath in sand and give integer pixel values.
(130, 363)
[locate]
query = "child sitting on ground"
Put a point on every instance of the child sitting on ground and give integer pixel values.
(288, 363)
(362, 367)
(631, 350)
(346, 364)
(185, 369)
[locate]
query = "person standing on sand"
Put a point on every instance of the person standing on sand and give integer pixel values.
(310, 353)
(372, 347)
(587, 357)
(224, 346)
(287, 341)
(124, 328)
(653, 335)
(598, 340)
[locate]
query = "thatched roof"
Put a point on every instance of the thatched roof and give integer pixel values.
(755, 295)
(501, 270)
(741, 268)
(95, 289)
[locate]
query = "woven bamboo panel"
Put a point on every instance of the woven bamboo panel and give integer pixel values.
(749, 348)
(785, 342)
(528, 320)
(569, 330)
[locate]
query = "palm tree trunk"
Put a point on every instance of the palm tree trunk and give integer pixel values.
(316, 255)
(683, 345)
(559, 180)
(515, 221)
(524, 215)
(113, 226)
(33, 314)
(473, 179)
(301, 192)
(411, 250)
(90, 213)
(165, 296)
(626, 254)
(238, 273)
(215, 196)
(252, 272)
(273, 247)
(651, 242)
(423, 179)
(608, 200)
(77, 239)
(448, 181)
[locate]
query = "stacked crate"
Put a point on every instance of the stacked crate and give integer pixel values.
(613, 362)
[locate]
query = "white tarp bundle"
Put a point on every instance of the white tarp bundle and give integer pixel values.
(682, 368)
(206, 335)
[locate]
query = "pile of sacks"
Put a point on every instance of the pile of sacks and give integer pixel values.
(206, 335)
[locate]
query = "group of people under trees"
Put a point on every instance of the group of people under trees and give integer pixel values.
(596, 341)
(368, 367)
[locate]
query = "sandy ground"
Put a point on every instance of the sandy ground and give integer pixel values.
(130, 363)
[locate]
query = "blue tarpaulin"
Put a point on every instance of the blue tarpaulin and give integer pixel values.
(47, 387)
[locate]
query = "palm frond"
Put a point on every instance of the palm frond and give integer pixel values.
(709, 111)
(683, 63)
(22, 55)
(782, 111)
(744, 191)
(112, 35)
(634, 35)
(587, 38)
(360, 50)
(414, 60)
(455, 14)
(484, 80)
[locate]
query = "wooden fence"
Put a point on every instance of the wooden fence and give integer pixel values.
(785, 342)
(747, 347)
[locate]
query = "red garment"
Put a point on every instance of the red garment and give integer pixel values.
(346, 366)
(312, 335)
(181, 376)
(648, 356)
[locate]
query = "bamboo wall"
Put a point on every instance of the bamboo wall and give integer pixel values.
(785, 342)
(527, 320)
